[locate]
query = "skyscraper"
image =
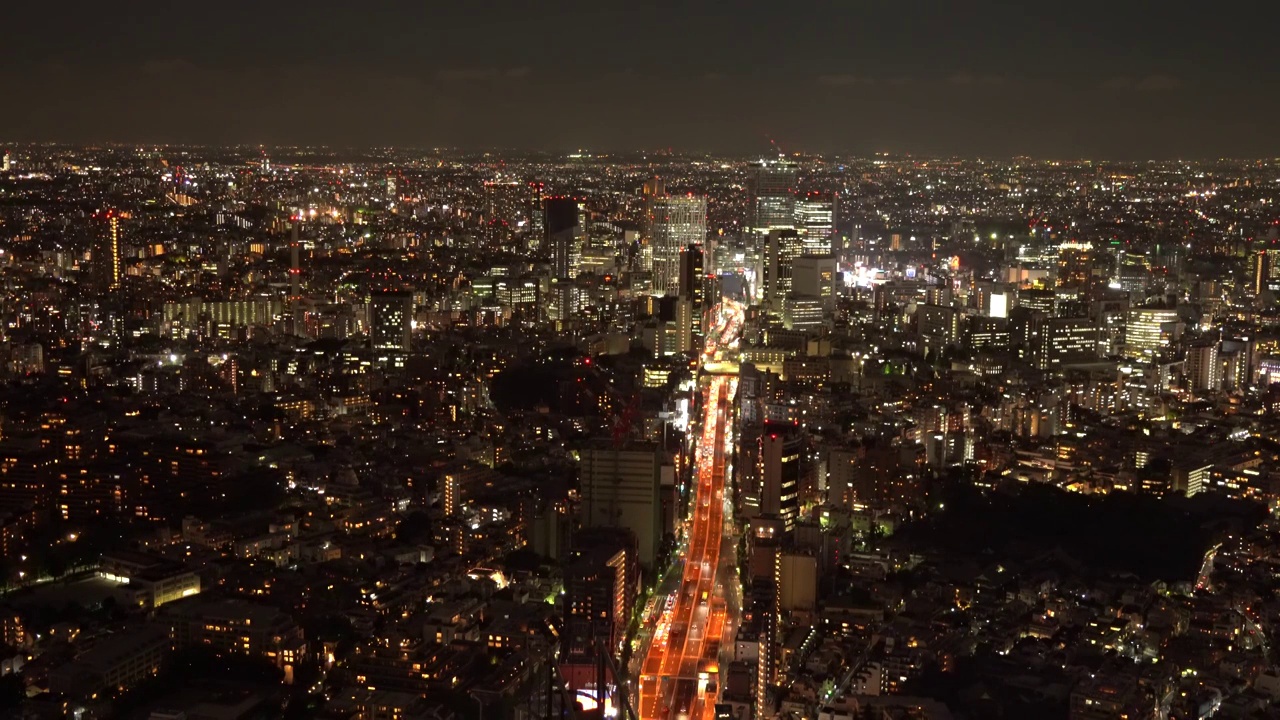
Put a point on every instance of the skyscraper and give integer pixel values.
(105, 255)
(773, 199)
(295, 263)
(562, 223)
(813, 291)
(692, 277)
(816, 215)
(690, 303)
(1266, 271)
(815, 275)
(390, 320)
(675, 222)
(782, 247)
(781, 455)
(297, 313)
(536, 210)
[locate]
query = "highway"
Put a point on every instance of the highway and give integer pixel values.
(680, 675)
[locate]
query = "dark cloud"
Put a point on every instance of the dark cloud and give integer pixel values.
(1106, 79)
(1152, 83)
(481, 74)
(166, 66)
(965, 79)
(1149, 83)
(844, 80)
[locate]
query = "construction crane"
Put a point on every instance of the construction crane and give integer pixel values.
(624, 421)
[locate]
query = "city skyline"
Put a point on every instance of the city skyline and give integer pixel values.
(692, 437)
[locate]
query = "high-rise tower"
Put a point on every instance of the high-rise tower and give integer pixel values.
(816, 215)
(781, 249)
(562, 220)
(105, 255)
(295, 263)
(296, 312)
(391, 320)
(773, 198)
(691, 299)
(674, 223)
(692, 277)
(781, 457)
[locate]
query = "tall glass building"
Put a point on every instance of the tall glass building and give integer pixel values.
(773, 195)
(675, 222)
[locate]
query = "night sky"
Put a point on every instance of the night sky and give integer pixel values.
(1122, 79)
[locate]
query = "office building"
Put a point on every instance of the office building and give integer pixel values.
(782, 247)
(688, 322)
(1037, 300)
(1076, 263)
(990, 299)
(773, 196)
(1063, 341)
(661, 338)
(1191, 477)
(816, 215)
(690, 302)
(674, 223)
(815, 276)
(188, 314)
(619, 487)
(803, 312)
(939, 324)
(1149, 331)
(988, 333)
(562, 234)
(391, 320)
(692, 274)
(566, 299)
(781, 466)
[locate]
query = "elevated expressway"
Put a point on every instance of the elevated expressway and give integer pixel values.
(679, 677)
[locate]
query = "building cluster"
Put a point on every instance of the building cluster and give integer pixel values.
(415, 434)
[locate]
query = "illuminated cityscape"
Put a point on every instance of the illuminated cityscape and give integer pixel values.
(640, 436)
(503, 361)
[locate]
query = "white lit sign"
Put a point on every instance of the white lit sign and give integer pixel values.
(999, 305)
